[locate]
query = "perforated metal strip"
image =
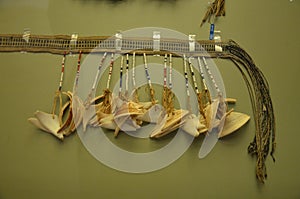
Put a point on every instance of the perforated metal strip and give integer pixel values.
(58, 44)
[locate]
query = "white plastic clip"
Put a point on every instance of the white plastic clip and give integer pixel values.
(156, 41)
(26, 34)
(73, 41)
(217, 35)
(192, 43)
(118, 41)
(217, 38)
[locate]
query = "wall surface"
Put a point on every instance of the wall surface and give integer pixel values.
(36, 165)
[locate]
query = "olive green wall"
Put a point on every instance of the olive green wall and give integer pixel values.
(36, 165)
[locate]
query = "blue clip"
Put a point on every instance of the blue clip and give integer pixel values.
(211, 32)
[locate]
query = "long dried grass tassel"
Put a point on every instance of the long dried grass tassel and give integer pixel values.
(201, 105)
(152, 95)
(204, 99)
(107, 101)
(136, 96)
(216, 9)
(167, 100)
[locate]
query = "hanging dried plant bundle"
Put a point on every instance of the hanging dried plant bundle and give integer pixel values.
(263, 143)
(74, 109)
(233, 121)
(262, 108)
(42, 119)
(170, 119)
(55, 124)
(215, 9)
(126, 111)
(153, 111)
(69, 126)
(105, 107)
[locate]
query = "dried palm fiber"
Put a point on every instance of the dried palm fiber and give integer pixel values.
(262, 107)
(215, 9)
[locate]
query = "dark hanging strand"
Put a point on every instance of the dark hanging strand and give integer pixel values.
(262, 108)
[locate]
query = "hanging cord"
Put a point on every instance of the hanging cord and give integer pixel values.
(216, 9)
(135, 94)
(69, 123)
(170, 71)
(110, 71)
(152, 92)
(204, 97)
(78, 70)
(58, 92)
(211, 77)
(107, 93)
(195, 84)
(121, 76)
(167, 99)
(221, 108)
(127, 76)
(96, 79)
(262, 108)
(199, 94)
(187, 83)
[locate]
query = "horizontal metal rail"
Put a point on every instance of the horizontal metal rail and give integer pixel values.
(59, 44)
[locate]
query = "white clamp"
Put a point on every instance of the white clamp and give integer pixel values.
(73, 41)
(156, 41)
(217, 38)
(118, 41)
(26, 34)
(192, 43)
